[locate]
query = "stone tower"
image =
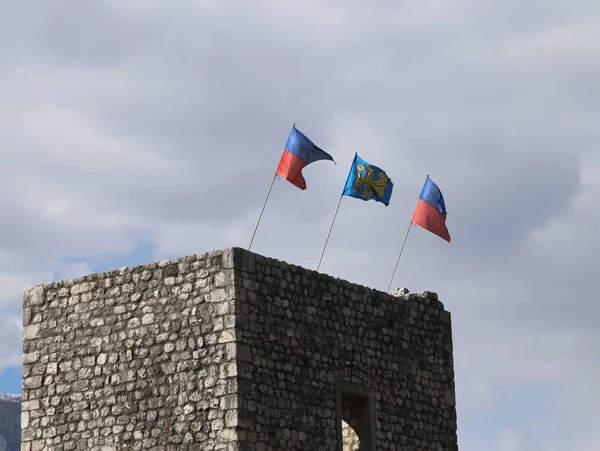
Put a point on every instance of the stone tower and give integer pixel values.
(233, 351)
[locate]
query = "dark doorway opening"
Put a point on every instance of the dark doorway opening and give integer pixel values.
(355, 407)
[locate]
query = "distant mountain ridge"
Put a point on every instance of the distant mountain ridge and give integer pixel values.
(10, 422)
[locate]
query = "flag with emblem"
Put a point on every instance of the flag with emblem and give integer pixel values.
(368, 182)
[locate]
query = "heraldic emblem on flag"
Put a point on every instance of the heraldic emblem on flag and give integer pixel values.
(368, 182)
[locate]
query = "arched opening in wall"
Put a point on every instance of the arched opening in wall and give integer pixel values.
(350, 440)
(355, 418)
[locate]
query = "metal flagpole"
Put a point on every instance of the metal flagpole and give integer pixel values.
(400, 254)
(330, 229)
(335, 215)
(263, 209)
(401, 249)
(264, 205)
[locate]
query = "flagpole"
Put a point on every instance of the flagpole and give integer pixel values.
(399, 255)
(263, 209)
(264, 205)
(330, 229)
(336, 212)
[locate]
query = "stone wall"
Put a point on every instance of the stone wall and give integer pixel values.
(121, 359)
(233, 351)
(300, 333)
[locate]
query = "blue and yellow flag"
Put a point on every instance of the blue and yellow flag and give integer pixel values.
(367, 182)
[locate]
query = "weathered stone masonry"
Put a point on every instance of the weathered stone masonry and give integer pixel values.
(230, 350)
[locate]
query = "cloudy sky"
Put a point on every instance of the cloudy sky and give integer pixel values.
(139, 130)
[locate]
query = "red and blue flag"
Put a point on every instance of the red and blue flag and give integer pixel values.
(299, 152)
(430, 212)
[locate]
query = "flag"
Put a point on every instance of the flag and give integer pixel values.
(299, 152)
(367, 182)
(430, 212)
